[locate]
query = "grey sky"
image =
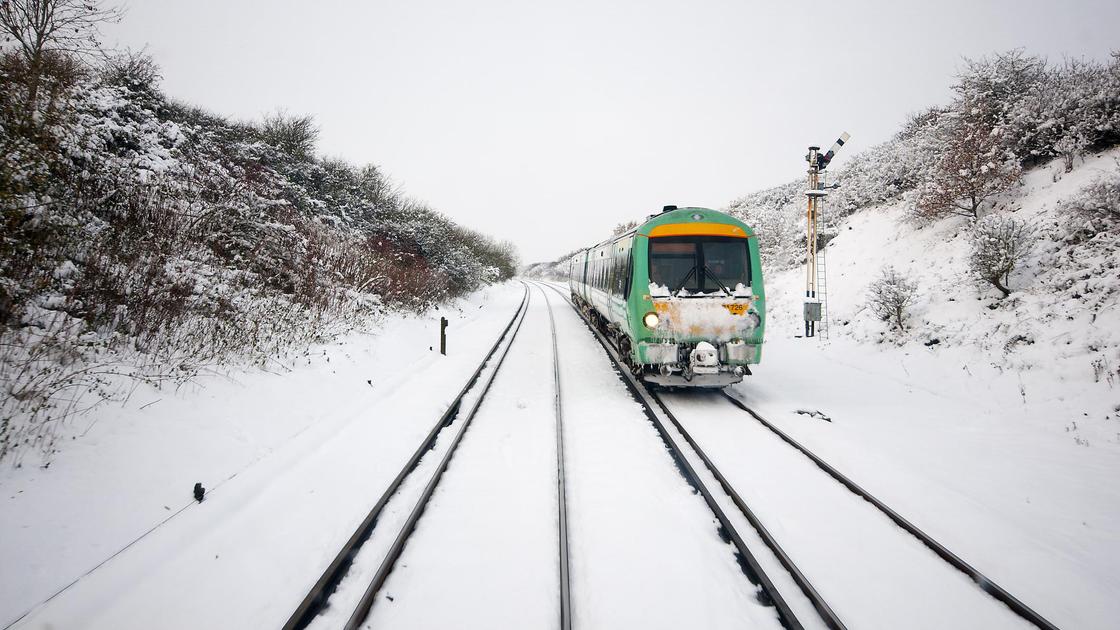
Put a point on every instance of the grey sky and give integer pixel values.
(548, 123)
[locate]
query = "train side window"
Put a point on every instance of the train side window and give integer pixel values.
(619, 269)
(612, 273)
(629, 275)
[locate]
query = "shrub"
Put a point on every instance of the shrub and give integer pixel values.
(890, 296)
(1098, 204)
(295, 136)
(1000, 244)
(168, 241)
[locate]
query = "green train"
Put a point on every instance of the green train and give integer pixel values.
(680, 296)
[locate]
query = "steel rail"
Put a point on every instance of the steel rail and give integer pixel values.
(316, 599)
(361, 611)
(823, 609)
(565, 579)
(981, 580)
(748, 563)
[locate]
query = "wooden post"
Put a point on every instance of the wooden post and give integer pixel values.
(443, 336)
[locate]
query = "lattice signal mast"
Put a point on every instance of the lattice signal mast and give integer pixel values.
(814, 266)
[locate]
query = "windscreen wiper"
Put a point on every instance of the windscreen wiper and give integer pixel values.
(711, 274)
(680, 285)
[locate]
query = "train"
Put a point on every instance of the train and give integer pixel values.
(680, 296)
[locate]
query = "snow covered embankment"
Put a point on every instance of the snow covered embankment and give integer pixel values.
(1057, 335)
(1002, 437)
(277, 453)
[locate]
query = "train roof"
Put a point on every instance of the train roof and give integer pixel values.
(681, 219)
(692, 216)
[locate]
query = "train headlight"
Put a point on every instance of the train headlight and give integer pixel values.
(651, 320)
(756, 321)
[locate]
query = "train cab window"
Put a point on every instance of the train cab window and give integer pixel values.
(728, 262)
(673, 264)
(698, 264)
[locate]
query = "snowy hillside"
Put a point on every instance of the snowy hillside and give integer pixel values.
(147, 240)
(1062, 313)
(1057, 334)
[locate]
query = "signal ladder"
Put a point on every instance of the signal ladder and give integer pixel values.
(822, 294)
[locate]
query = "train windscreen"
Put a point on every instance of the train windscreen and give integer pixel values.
(699, 264)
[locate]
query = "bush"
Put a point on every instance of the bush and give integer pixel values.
(1098, 204)
(295, 136)
(144, 239)
(1000, 244)
(890, 296)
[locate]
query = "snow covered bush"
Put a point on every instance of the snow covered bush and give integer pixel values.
(1098, 204)
(294, 135)
(145, 239)
(890, 296)
(1000, 244)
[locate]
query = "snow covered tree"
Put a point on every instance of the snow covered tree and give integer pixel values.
(624, 227)
(971, 167)
(890, 295)
(1000, 244)
(974, 151)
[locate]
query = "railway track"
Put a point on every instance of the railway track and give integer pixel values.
(457, 420)
(985, 583)
(651, 400)
(317, 599)
(749, 562)
(561, 490)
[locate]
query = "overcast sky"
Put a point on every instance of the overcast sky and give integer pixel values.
(549, 123)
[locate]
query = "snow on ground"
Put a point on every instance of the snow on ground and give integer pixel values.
(485, 551)
(645, 552)
(872, 573)
(1063, 316)
(284, 457)
(1005, 451)
(997, 480)
(999, 440)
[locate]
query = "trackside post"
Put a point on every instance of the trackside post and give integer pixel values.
(443, 336)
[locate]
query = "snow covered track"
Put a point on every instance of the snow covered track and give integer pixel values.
(561, 493)
(317, 597)
(980, 579)
(821, 606)
(874, 573)
(749, 564)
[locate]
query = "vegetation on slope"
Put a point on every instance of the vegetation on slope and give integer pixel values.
(144, 238)
(1011, 111)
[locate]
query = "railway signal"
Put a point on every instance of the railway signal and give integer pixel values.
(814, 260)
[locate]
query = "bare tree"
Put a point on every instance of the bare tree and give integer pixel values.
(999, 245)
(890, 296)
(37, 27)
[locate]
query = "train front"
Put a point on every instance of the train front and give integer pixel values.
(701, 304)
